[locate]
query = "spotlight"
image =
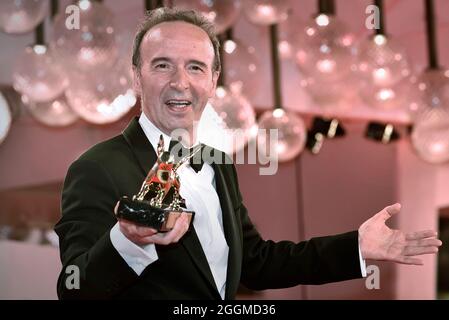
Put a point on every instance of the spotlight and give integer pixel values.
(321, 129)
(381, 132)
(314, 141)
(330, 128)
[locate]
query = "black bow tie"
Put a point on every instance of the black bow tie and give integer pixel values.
(196, 162)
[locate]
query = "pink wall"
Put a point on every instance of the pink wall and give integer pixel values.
(34, 154)
(28, 271)
(417, 192)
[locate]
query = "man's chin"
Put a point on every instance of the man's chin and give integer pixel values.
(179, 126)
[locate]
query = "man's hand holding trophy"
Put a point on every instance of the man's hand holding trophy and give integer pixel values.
(158, 203)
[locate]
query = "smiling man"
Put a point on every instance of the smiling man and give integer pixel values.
(175, 74)
(176, 66)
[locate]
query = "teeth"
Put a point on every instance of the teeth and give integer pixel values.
(178, 103)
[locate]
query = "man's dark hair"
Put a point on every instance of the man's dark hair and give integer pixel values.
(157, 16)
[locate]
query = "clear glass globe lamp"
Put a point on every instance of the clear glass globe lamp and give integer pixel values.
(21, 16)
(291, 134)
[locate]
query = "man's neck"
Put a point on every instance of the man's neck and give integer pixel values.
(187, 136)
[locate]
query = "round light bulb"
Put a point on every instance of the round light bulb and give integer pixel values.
(326, 58)
(38, 75)
(55, 113)
(21, 16)
(236, 117)
(291, 134)
(223, 13)
(429, 109)
(103, 95)
(266, 12)
(384, 72)
(91, 45)
(242, 71)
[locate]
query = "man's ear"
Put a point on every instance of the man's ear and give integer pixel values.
(136, 81)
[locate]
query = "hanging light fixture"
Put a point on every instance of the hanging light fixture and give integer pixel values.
(104, 94)
(36, 73)
(223, 13)
(288, 36)
(102, 97)
(91, 45)
(290, 128)
(430, 107)
(232, 113)
(42, 82)
(242, 67)
(55, 113)
(266, 12)
(326, 59)
(291, 134)
(21, 16)
(430, 91)
(235, 118)
(384, 69)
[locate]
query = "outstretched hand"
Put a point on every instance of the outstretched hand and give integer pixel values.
(379, 242)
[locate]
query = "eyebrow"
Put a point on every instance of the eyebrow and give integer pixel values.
(164, 59)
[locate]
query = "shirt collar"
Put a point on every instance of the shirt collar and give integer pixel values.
(153, 133)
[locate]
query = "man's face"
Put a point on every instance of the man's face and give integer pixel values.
(175, 79)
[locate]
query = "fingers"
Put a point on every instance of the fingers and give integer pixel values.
(173, 236)
(143, 235)
(393, 209)
(422, 245)
(134, 232)
(414, 251)
(425, 242)
(420, 235)
(389, 211)
(145, 231)
(140, 231)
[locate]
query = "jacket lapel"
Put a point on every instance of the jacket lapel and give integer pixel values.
(193, 246)
(232, 236)
(140, 145)
(146, 157)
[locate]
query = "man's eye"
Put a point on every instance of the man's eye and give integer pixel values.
(196, 68)
(161, 66)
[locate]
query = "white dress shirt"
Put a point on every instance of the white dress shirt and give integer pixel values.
(199, 191)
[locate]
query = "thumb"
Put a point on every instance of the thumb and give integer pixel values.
(389, 211)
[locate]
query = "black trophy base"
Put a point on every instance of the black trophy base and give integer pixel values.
(144, 214)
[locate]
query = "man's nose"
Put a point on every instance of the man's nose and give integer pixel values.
(180, 80)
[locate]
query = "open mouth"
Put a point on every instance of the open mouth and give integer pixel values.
(178, 105)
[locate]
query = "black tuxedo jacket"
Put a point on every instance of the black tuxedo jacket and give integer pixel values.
(117, 167)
